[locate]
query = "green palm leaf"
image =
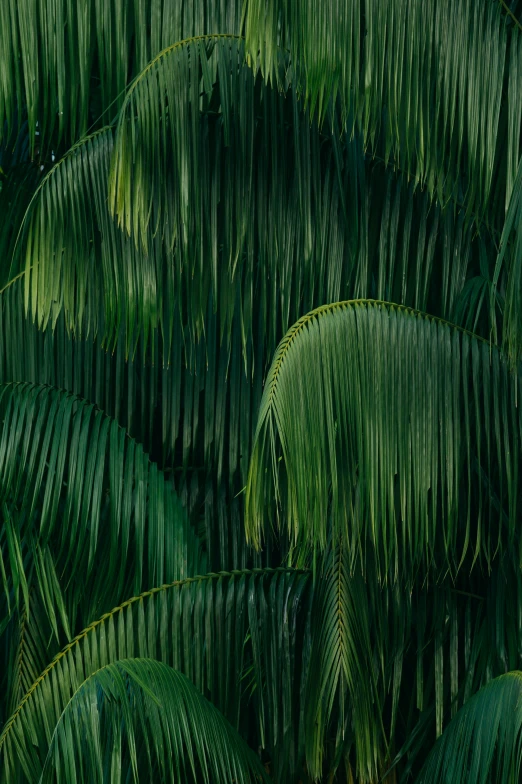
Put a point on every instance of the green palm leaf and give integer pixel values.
(140, 718)
(76, 260)
(198, 626)
(341, 677)
(378, 418)
(512, 232)
(159, 122)
(88, 57)
(198, 260)
(345, 156)
(89, 491)
(406, 75)
(483, 742)
(127, 390)
(176, 165)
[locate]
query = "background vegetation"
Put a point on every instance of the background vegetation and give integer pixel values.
(260, 342)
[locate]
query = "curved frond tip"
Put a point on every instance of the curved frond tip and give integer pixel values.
(483, 743)
(140, 719)
(75, 472)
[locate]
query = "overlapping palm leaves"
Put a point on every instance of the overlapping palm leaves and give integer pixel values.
(158, 265)
(198, 626)
(182, 730)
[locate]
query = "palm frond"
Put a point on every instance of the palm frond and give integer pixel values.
(30, 641)
(78, 262)
(290, 177)
(340, 676)
(407, 76)
(159, 123)
(79, 60)
(483, 743)
(376, 236)
(512, 232)
(377, 418)
(198, 626)
(90, 490)
(429, 651)
(139, 718)
(192, 114)
(127, 390)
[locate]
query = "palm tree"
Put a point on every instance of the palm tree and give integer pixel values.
(260, 343)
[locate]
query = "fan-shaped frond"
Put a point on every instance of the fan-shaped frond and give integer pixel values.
(423, 82)
(379, 419)
(199, 626)
(88, 489)
(139, 718)
(483, 743)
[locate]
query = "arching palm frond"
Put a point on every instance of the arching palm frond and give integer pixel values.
(195, 259)
(140, 718)
(407, 75)
(78, 483)
(289, 178)
(78, 262)
(198, 626)
(160, 124)
(483, 743)
(379, 418)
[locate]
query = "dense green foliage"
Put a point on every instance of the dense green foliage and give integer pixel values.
(260, 377)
